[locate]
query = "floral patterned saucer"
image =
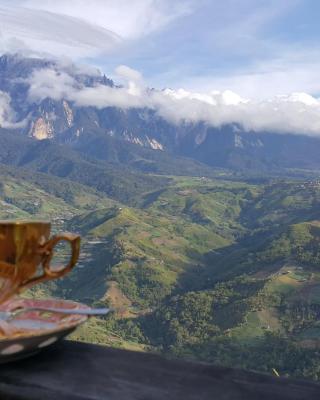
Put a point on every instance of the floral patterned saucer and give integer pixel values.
(33, 331)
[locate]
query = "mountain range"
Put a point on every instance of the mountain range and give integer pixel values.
(39, 109)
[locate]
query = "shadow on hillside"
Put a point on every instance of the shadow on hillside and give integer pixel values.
(229, 262)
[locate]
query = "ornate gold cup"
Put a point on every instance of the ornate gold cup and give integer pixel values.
(25, 254)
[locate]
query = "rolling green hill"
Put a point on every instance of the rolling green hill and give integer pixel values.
(25, 193)
(206, 262)
(202, 268)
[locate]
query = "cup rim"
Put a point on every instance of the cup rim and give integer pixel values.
(23, 222)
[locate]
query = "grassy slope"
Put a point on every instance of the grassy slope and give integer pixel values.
(168, 236)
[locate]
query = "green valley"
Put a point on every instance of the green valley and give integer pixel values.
(199, 267)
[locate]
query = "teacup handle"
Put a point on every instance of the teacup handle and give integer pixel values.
(47, 251)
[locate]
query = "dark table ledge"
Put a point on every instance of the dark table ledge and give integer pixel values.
(77, 371)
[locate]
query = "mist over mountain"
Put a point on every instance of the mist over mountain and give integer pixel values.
(81, 108)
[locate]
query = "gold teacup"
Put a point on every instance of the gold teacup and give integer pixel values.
(24, 246)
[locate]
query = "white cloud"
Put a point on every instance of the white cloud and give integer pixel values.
(7, 115)
(50, 83)
(41, 32)
(128, 18)
(296, 113)
(104, 96)
(60, 85)
(79, 28)
(128, 73)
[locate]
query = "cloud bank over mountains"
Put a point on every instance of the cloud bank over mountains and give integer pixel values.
(255, 48)
(297, 113)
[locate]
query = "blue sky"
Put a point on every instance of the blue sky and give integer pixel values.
(257, 48)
